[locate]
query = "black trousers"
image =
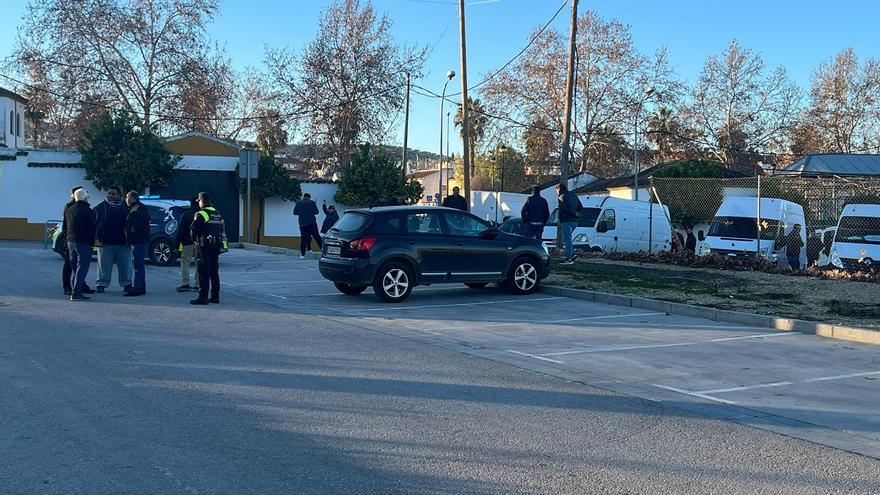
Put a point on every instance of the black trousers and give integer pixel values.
(209, 271)
(66, 272)
(307, 232)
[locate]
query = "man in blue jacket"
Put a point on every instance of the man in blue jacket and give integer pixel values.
(307, 214)
(535, 214)
(569, 212)
(110, 217)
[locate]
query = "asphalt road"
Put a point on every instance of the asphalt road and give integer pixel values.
(327, 395)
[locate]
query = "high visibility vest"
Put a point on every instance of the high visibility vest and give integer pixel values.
(214, 224)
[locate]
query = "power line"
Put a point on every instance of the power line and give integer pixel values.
(513, 59)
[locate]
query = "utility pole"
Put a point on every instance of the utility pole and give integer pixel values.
(465, 122)
(405, 127)
(569, 94)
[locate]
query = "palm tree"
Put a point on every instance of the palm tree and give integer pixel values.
(477, 124)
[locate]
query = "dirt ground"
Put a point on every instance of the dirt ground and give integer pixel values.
(844, 302)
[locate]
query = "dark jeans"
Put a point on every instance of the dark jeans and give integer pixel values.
(139, 252)
(535, 231)
(80, 259)
(209, 271)
(307, 233)
(66, 272)
(794, 262)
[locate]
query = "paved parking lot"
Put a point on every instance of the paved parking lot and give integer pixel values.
(803, 386)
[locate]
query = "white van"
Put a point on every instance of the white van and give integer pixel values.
(616, 225)
(734, 230)
(857, 241)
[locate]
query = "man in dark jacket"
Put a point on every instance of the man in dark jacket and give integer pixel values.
(569, 212)
(110, 217)
(455, 200)
(306, 212)
(793, 245)
(79, 220)
(137, 234)
(186, 246)
(535, 214)
(330, 218)
(66, 271)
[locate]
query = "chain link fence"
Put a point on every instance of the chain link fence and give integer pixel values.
(794, 221)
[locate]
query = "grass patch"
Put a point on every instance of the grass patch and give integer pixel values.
(846, 308)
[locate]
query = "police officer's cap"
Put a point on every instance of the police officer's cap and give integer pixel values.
(203, 196)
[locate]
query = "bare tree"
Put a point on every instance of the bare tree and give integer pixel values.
(135, 52)
(271, 133)
(740, 108)
(610, 82)
(845, 103)
(349, 82)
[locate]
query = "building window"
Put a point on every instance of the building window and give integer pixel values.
(18, 125)
(12, 122)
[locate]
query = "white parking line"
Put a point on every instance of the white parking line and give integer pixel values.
(517, 322)
(535, 357)
(655, 346)
(693, 394)
(236, 284)
(279, 297)
(841, 377)
(245, 272)
(430, 289)
(748, 387)
(400, 308)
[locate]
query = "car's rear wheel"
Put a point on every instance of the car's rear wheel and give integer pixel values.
(524, 276)
(477, 285)
(161, 253)
(350, 289)
(393, 282)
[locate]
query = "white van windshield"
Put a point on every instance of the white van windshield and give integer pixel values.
(859, 230)
(745, 228)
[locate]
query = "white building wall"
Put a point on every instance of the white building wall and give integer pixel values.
(199, 162)
(39, 194)
(279, 219)
(11, 138)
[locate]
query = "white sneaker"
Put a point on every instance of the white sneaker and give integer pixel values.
(302, 257)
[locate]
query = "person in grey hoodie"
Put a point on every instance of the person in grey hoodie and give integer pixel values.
(307, 214)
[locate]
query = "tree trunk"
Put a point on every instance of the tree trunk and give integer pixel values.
(262, 215)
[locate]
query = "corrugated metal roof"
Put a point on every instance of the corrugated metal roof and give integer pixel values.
(835, 164)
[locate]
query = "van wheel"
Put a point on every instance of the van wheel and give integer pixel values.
(393, 283)
(350, 289)
(523, 277)
(477, 285)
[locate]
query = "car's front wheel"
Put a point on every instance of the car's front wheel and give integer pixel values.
(393, 282)
(161, 253)
(523, 277)
(350, 289)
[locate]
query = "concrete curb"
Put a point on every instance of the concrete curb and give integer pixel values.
(830, 331)
(274, 250)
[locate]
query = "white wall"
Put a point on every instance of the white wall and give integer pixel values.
(279, 219)
(199, 162)
(484, 204)
(7, 132)
(39, 194)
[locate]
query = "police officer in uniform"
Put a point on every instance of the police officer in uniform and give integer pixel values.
(207, 233)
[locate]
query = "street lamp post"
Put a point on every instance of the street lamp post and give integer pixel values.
(449, 76)
(648, 92)
(446, 157)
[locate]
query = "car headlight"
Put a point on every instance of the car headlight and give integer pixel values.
(581, 239)
(171, 227)
(835, 259)
(705, 250)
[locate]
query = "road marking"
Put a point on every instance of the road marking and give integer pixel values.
(236, 284)
(398, 308)
(841, 377)
(656, 346)
(431, 289)
(693, 394)
(749, 387)
(245, 272)
(517, 322)
(535, 357)
(279, 297)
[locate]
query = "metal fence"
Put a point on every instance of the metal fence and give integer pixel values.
(838, 218)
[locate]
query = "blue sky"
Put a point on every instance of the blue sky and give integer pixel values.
(794, 34)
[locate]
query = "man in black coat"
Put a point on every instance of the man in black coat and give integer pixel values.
(535, 214)
(455, 200)
(306, 212)
(137, 234)
(330, 218)
(110, 218)
(79, 221)
(569, 212)
(66, 271)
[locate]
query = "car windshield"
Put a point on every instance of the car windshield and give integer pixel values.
(588, 217)
(744, 228)
(352, 221)
(860, 230)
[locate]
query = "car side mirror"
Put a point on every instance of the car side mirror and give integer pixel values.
(489, 233)
(602, 226)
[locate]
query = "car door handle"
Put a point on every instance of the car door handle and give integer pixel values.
(412, 242)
